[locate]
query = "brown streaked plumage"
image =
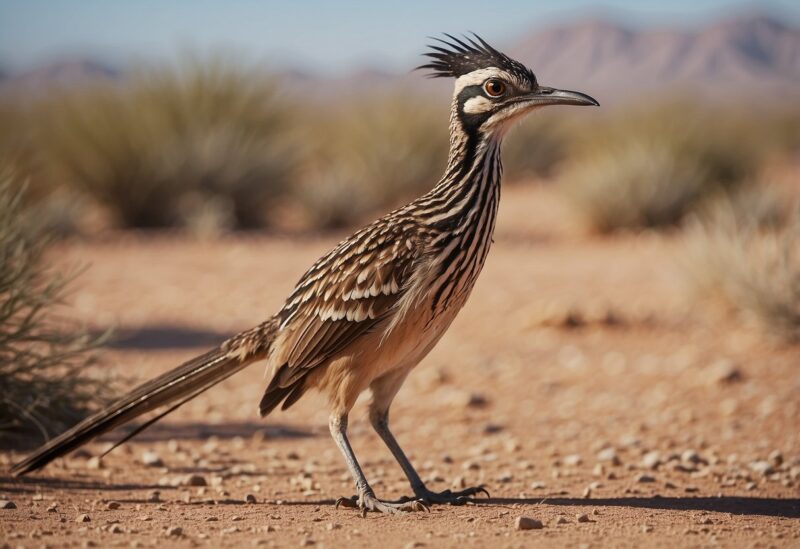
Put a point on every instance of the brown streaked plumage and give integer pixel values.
(364, 315)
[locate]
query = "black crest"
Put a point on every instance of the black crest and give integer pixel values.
(458, 57)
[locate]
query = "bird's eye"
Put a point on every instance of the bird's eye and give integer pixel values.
(494, 88)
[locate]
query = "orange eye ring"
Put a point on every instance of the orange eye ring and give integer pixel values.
(494, 87)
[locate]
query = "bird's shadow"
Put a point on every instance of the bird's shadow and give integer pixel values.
(735, 505)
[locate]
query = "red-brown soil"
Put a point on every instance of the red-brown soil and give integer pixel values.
(581, 379)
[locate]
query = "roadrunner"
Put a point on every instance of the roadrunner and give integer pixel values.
(365, 314)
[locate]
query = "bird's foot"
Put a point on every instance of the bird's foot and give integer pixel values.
(449, 497)
(368, 502)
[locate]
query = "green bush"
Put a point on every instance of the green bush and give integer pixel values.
(744, 254)
(169, 145)
(44, 358)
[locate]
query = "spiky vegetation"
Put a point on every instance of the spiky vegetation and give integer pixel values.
(745, 255)
(44, 358)
(366, 157)
(649, 168)
(172, 145)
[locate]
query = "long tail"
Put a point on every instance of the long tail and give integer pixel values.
(181, 384)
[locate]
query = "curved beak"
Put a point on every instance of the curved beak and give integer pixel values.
(551, 96)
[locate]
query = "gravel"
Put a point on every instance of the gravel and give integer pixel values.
(528, 523)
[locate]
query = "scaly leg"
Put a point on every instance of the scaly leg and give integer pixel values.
(384, 390)
(366, 500)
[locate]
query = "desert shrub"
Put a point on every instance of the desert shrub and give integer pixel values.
(536, 147)
(168, 145)
(744, 254)
(364, 158)
(44, 358)
(649, 168)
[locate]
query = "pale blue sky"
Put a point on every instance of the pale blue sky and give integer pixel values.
(312, 34)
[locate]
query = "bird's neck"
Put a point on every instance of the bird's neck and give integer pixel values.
(470, 183)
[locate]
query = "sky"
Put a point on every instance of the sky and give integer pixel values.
(309, 34)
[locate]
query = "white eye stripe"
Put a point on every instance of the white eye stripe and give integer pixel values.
(477, 105)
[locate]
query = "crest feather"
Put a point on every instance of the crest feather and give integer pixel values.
(456, 57)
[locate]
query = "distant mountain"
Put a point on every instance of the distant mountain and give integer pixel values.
(60, 74)
(734, 56)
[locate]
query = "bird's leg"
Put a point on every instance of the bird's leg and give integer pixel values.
(380, 422)
(365, 500)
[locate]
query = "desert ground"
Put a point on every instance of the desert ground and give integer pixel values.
(582, 384)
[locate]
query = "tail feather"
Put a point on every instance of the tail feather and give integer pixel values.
(180, 384)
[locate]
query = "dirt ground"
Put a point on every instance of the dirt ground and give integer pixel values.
(581, 384)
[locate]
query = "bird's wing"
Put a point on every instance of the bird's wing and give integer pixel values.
(346, 294)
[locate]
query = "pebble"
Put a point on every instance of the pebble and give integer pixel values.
(194, 480)
(651, 460)
(154, 497)
(94, 462)
(608, 455)
(763, 468)
(83, 518)
(116, 529)
(250, 498)
(561, 520)
(151, 459)
(174, 531)
(645, 478)
(582, 517)
(52, 508)
(573, 460)
(528, 523)
(6, 504)
(775, 458)
(112, 505)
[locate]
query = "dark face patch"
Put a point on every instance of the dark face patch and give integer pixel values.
(472, 121)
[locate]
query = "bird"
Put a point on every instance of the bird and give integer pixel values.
(366, 313)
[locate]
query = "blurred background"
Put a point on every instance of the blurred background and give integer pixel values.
(178, 150)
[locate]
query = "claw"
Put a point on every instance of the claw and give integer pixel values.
(350, 503)
(482, 489)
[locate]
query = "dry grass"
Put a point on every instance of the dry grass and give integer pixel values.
(650, 167)
(172, 146)
(365, 157)
(745, 255)
(43, 357)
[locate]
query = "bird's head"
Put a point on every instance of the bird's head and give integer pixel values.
(491, 89)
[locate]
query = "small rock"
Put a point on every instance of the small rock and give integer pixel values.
(537, 485)
(561, 520)
(762, 468)
(587, 493)
(52, 508)
(413, 545)
(174, 531)
(582, 518)
(6, 504)
(250, 498)
(151, 459)
(83, 518)
(115, 529)
(476, 400)
(647, 528)
(333, 526)
(528, 523)
(608, 455)
(154, 497)
(573, 460)
(651, 460)
(94, 462)
(725, 372)
(692, 457)
(645, 478)
(112, 505)
(775, 458)
(194, 480)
